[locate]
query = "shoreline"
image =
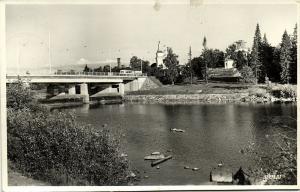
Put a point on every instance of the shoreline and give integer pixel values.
(205, 98)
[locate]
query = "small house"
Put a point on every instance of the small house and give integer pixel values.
(229, 63)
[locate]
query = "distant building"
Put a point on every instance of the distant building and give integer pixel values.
(241, 46)
(229, 63)
(119, 62)
(160, 57)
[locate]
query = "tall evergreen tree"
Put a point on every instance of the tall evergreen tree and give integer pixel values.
(255, 62)
(285, 58)
(266, 56)
(293, 67)
(274, 73)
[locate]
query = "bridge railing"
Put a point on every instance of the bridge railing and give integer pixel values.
(100, 74)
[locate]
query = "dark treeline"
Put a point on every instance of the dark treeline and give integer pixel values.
(260, 63)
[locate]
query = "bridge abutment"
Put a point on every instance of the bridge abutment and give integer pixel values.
(72, 90)
(84, 91)
(121, 89)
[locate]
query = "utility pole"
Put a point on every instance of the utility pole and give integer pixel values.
(190, 62)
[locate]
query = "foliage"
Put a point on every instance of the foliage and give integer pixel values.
(275, 68)
(135, 64)
(198, 66)
(171, 62)
(247, 75)
(293, 67)
(86, 69)
(239, 57)
(18, 95)
(255, 62)
(54, 147)
(214, 58)
(285, 58)
(284, 91)
(106, 68)
(266, 56)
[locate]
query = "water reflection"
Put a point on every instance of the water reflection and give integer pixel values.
(214, 133)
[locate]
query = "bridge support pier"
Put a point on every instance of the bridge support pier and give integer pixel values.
(109, 88)
(135, 85)
(84, 91)
(121, 89)
(72, 90)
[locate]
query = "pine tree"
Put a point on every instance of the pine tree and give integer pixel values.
(293, 67)
(266, 56)
(285, 58)
(255, 62)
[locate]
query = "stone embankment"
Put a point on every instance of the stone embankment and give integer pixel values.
(187, 98)
(206, 98)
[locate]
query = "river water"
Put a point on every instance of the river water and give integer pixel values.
(214, 133)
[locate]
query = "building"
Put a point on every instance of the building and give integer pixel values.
(160, 55)
(229, 63)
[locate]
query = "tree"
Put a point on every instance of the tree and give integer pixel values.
(214, 58)
(255, 62)
(198, 67)
(18, 95)
(106, 68)
(171, 62)
(293, 67)
(274, 73)
(247, 74)
(86, 69)
(285, 58)
(204, 54)
(99, 69)
(135, 63)
(238, 56)
(266, 56)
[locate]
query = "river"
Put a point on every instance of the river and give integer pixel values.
(214, 133)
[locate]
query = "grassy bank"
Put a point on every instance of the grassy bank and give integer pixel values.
(217, 92)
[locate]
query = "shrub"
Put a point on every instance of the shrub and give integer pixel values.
(18, 95)
(247, 75)
(284, 91)
(54, 147)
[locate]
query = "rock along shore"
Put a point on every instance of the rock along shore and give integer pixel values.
(204, 98)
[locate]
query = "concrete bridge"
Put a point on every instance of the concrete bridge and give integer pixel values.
(84, 83)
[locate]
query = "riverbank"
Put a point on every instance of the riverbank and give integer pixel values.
(216, 93)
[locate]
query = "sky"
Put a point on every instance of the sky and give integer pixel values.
(78, 34)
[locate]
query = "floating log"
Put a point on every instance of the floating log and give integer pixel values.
(154, 157)
(154, 163)
(155, 153)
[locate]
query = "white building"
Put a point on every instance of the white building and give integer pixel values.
(229, 63)
(159, 59)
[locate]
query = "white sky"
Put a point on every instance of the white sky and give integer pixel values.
(102, 32)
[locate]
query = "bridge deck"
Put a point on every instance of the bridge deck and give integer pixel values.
(74, 78)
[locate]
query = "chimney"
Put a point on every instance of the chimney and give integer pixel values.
(119, 62)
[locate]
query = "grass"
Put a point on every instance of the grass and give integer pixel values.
(201, 88)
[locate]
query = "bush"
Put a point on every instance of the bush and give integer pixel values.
(54, 147)
(18, 95)
(284, 91)
(247, 75)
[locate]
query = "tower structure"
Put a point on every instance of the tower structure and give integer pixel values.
(159, 57)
